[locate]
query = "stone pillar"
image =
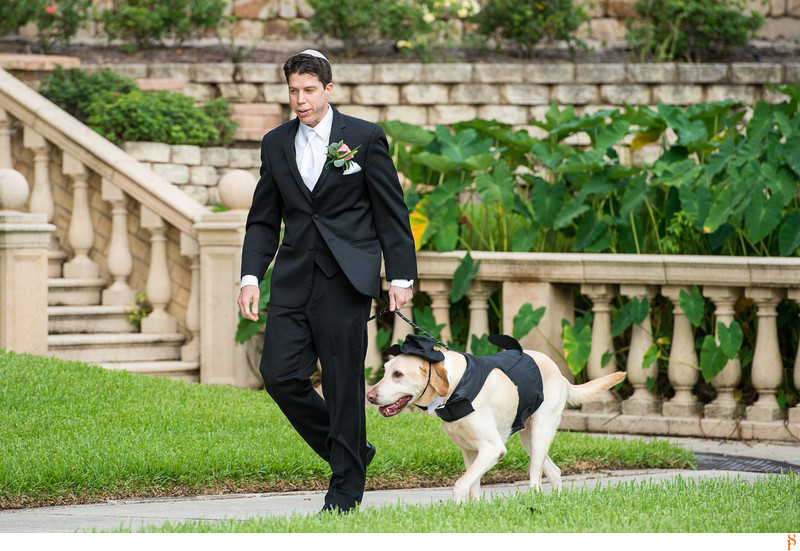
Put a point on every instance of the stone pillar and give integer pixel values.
(683, 365)
(374, 358)
(725, 406)
(478, 294)
(24, 242)
(81, 232)
(120, 259)
(602, 342)
(794, 413)
(190, 352)
(767, 370)
(643, 401)
(220, 237)
(159, 284)
(439, 291)
(5, 140)
(559, 305)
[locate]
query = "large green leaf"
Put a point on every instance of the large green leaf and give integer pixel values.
(526, 319)
(730, 338)
(480, 346)
(633, 311)
(712, 359)
(497, 188)
(693, 305)
(763, 215)
(789, 234)
(721, 208)
(547, 202)
(577, 345)
(572, 209)
(650, 356)
(405, 133)
(696, 204)
(462, 145)
(634, 196)
(462, 277)
(440, 163)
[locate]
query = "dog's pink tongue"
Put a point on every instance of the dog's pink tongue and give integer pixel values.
(393, 409)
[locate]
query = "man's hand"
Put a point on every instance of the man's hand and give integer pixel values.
(248, 301)
(398, 296)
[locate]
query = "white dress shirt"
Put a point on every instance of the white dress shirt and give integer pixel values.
(319, 148)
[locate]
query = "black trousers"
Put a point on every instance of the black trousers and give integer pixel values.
(332, 326)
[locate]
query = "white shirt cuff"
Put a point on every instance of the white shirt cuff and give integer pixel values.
(405, 283)
(249, 280)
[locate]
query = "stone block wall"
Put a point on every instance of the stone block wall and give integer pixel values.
(445, 93)
(271, 19)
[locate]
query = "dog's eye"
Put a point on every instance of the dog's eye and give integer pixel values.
(397, 374)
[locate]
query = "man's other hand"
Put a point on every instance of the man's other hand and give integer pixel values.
(398, 296)
(249, 296)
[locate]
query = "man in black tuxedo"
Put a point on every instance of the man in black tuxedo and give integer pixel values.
(337, 223)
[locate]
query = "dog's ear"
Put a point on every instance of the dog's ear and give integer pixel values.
(439, 380)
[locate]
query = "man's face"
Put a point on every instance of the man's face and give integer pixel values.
(308, 97)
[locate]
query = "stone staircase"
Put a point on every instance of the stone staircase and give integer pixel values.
(81, 328)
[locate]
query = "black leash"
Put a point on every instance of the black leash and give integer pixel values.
(411, 323)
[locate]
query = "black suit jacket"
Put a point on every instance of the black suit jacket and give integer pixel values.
(350, 220)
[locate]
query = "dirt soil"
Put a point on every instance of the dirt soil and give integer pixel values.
(278, 52)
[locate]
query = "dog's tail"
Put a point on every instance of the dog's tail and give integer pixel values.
(578, 394)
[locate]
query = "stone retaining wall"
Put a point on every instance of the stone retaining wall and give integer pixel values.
(257, 18)
(445, 93)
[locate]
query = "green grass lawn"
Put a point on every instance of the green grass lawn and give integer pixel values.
(74, 433)
(771, 504)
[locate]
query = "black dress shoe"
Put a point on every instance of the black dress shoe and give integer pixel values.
(329, 509)
(371, 450)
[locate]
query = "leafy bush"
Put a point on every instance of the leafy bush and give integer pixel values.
(528, 22)
(74, 90)
(150, 22)
(690, 29)
(56, 21)
(164, 117)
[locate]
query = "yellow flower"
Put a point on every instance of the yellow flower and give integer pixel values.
(428, 17)
(462, 13)
(403, 44)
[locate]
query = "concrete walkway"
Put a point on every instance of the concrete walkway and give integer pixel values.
(135, 513)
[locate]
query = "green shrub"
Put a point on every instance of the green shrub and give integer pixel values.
(525, 23)
(220, 111)
(74, 90)
(165, 117)
(149, 22)
(690, 29)
(57, 22)
(358, 23)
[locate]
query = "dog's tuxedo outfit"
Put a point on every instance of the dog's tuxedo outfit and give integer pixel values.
(518, 366)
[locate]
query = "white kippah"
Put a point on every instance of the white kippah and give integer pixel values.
(314, 53)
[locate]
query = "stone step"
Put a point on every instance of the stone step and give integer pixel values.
(183, 371)
(89, 319)
(101, 348)
(74, 292)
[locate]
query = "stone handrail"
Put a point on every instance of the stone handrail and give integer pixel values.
(98, 154)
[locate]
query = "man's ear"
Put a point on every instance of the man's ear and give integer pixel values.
(439, 380)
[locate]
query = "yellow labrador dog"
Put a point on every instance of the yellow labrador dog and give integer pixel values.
(429, 376)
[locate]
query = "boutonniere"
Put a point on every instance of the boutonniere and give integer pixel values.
(340, 155)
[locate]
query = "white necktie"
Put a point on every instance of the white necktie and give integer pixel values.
(310, 165)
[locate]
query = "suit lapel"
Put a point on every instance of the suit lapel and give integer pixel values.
(338, 133)
(291, 157)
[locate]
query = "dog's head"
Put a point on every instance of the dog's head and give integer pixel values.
(406, 379)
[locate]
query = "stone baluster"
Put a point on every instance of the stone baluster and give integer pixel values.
(478, 294)
(725, 406)
(767, 370)
(41, 197)
(81, 232)
(190, 352)
(643, 401)
(374, 358)
(439, 291)
(794, 413)
(120, 259)
(602, 342)
(5, 140)
(682, 368)
(159, 284)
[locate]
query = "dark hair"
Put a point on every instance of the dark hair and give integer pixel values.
(302, 64)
